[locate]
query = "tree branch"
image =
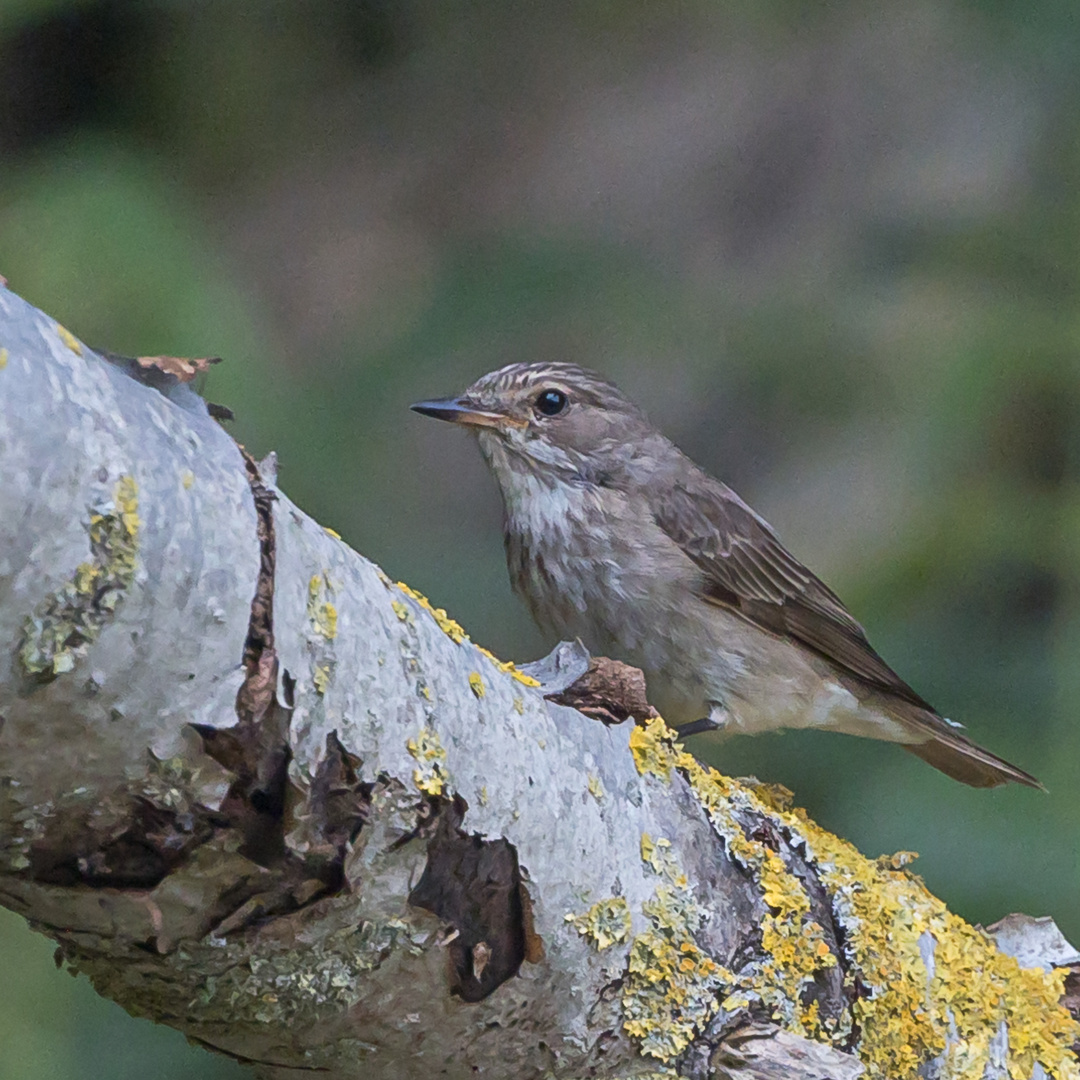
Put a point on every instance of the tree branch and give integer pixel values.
(257, 791)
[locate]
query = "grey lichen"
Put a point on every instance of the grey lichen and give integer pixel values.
(68, 621)
(317, 979)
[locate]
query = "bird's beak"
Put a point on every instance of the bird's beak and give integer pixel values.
(461, 411)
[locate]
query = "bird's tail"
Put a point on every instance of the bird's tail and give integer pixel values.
(957, 756)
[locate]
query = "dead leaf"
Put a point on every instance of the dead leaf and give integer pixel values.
(180, 367)
(609, 691)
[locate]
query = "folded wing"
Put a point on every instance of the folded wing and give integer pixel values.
(745, 568)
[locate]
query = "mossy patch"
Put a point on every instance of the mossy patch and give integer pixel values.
(65, 624)
(309, 982)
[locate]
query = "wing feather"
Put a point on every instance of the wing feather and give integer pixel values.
(746, 567)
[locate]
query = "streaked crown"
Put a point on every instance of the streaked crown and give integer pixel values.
(523, 382)
(550, 418)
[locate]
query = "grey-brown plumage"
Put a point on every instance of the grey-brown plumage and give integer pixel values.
(613, 535)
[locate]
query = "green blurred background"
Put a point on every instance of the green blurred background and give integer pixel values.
(833, 248)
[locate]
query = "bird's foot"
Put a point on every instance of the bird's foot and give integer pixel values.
(717, 720)
(696, 727)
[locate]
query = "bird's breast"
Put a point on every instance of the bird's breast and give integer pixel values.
(589, 563)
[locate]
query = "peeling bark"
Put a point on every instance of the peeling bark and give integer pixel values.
(259, 792)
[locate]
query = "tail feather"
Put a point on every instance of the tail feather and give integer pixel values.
(958, 757)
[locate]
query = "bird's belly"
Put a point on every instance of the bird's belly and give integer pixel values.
(640, 602)
(623, 602)
(774, 684)
(755, 681)
(697, 657)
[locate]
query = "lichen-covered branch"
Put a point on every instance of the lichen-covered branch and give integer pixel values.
(258, 791)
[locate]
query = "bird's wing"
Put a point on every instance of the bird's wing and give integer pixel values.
(746, 568)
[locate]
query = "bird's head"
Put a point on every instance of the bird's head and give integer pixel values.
(556, 422)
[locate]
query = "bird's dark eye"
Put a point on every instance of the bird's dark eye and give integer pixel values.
(551, 402)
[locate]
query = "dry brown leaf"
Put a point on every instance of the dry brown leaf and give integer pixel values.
(181, 367)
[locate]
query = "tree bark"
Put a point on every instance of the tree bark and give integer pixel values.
(259, 792)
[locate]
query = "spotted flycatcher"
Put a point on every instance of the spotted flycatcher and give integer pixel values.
(613, 535)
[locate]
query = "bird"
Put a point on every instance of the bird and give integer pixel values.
(614, 536)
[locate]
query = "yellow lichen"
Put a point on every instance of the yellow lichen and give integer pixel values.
(431, 777)
(127, 499)
(426, 746)
(956, 1005)
(322, 678)
(653, 749)
(672, 988)
(596, 789)
(321, 611)
(326, 623)
(658, 857)
(3, 359)
(447, 625)
(476, 684)
(910, 1012)
(86, 576)
(69, 339)
(897, 860)
(509, 667)
(331, 532)
(65, 624)
(605, 924)
(520, 676)
(429, 782)
(793, 945)
(187, 479)
(774, 796)
(457, 634)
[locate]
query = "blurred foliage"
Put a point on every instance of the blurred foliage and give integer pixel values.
(362, 204)
(55, 1026)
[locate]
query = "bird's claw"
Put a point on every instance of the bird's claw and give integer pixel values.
(696, 727)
